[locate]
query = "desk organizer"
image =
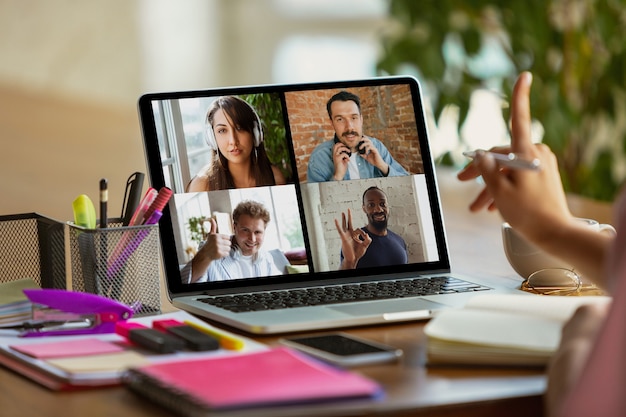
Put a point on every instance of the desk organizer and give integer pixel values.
(32, 246)
(117, 262)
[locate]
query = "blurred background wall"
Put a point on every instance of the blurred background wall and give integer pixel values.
(71, 72)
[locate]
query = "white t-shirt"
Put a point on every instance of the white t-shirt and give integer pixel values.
(353, 167)
(245, 263)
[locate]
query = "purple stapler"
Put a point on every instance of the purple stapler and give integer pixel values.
(61, 312)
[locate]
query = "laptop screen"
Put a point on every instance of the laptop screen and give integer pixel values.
(294, 183)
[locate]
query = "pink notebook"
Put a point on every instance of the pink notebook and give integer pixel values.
(271, 377)
(68, 348)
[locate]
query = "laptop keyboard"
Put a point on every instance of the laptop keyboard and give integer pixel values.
(335, 294)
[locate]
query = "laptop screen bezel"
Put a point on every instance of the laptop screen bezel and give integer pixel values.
(156, 176)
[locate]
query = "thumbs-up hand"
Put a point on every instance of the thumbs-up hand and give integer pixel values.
(216, 246)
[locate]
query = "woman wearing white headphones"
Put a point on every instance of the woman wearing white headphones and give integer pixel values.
(239, 160)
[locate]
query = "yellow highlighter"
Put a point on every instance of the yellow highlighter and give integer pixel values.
(84, 212)
(226, 341)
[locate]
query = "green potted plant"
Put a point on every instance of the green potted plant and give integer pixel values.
(268, 107)
(196, 229)
(574, 48)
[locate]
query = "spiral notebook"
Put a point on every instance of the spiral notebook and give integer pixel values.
(273, 377)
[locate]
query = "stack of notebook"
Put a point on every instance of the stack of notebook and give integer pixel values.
(276, 377)
(14, 306)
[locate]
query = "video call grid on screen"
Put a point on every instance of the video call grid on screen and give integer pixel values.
(302, 226)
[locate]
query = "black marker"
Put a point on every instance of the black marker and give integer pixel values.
(132, 197)
(104, 197)
(194, 338)
(148, 338)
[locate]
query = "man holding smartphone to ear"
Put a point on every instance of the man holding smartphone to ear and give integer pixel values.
(350, 155)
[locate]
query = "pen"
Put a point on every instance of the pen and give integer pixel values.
(132, 197)
(145, 203)
(510, 160)
(226, 341)
(118, 260)
(102, 237)
(154, 217)
(136, 220)
(123, 249)
(158, 204)
(104, 197)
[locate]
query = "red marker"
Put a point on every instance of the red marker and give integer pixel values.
(159, 203)
(144, 204)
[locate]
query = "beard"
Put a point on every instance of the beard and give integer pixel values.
(380, 225)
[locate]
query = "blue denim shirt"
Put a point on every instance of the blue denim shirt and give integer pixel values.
(321, 167)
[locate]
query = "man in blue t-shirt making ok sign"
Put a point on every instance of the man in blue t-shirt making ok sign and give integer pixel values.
(373, 244)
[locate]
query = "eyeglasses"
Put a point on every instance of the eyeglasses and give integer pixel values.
(558, 281)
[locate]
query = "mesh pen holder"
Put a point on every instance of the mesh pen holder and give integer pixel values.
(121, 263)
(32, 246)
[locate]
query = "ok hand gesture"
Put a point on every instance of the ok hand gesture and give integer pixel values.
(354, 243)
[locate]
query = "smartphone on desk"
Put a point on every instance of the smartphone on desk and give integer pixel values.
(343, 349)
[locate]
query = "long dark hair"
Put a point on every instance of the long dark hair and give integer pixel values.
(244, 116)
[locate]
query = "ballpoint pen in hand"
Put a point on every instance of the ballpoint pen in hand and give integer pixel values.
(510, 160)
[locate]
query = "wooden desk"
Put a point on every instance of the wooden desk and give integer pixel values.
(411, 388)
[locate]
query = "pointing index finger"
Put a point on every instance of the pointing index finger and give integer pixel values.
(521, 140)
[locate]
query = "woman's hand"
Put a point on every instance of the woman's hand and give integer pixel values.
(533, 202)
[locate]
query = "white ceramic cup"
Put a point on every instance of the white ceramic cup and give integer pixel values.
(526, 258)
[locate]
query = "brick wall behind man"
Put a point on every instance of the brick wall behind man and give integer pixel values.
(387, 115)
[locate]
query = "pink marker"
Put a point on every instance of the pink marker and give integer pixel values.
(144, 205)
(158, 204)
(130, 246)
(136, 220)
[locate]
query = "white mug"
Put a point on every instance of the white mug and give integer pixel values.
(526, 258)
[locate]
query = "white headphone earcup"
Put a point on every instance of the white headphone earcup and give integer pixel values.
(257, 132)
(210, 137)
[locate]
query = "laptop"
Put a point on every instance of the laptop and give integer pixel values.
(191, 136)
